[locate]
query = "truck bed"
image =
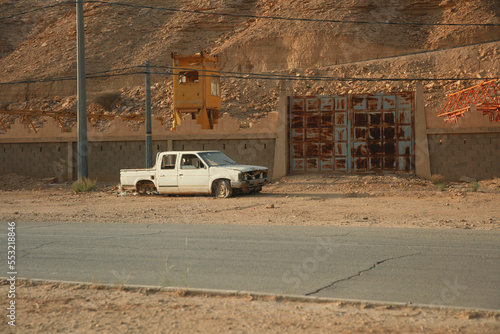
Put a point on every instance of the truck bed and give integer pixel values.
(129, 177)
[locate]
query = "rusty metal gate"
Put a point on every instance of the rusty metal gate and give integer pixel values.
(352, 133)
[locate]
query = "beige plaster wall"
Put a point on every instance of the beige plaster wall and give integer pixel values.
(469, 148)
(52, 152)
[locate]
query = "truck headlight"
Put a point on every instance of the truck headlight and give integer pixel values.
(240, 177)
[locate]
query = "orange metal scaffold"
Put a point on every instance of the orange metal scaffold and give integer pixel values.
(26, 117)
(486, 97)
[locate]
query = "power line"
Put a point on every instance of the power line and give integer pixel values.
(272, 76)
(101, 74)
(35, 10)
(293, 18)
(279, 18)
(116, 70)
(407, 54)
(254, 76)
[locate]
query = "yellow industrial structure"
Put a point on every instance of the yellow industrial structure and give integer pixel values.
(196, 89)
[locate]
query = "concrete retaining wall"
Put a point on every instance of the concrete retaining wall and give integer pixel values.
(474, 155)
(53, 153)
(468, 148)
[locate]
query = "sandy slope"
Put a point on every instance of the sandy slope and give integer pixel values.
(43, 44)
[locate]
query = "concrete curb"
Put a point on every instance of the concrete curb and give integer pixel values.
(242, 293)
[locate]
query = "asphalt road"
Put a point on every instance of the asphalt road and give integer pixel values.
(421, 266)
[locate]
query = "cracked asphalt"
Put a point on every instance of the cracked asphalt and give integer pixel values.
(358, 274)
(414, 266)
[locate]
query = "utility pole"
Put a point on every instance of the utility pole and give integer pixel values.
(149, 139)
(83, 165)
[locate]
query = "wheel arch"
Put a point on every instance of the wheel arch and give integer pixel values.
(140, 182)
(213, 185)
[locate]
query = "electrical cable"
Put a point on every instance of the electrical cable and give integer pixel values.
(237, 75)
(295, 19)
(272, 76)
(116, 70)
(406, 54)
(69, 78)
(251, 76)
(34, 10)
(281, 18)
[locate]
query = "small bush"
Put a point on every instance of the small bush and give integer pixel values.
(437, 178)
(107, 99)
(441, 186)
(474, 186)
(84, 185)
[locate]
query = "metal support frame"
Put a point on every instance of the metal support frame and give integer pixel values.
(486, 97)
(3, 125)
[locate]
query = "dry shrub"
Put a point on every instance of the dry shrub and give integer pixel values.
(474, 186)
(107, 99)
(84, 185)
(437, 178)
(441, 186)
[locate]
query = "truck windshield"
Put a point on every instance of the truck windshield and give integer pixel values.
(217, 159)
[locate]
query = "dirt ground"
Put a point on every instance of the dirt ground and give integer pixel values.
(76, 308)
(308, 199)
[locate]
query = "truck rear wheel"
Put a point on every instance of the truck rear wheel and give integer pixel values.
(223, 189)
(145, 188)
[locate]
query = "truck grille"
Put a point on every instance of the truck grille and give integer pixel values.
(255, 175)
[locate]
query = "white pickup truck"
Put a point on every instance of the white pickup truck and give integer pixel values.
(195, 172)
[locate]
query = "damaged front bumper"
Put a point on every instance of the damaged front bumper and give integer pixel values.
(249, 185)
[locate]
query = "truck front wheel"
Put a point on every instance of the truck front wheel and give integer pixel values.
(223, 189)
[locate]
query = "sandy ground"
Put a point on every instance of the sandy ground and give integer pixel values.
(74, 308)
(310, 200)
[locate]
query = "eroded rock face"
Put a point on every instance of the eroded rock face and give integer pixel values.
(42, 44)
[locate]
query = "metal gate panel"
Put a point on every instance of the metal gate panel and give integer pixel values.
(341, 156)
(406, 120)
(297, 128)
(352, 133)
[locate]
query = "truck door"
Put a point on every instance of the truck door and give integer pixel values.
(167, 174)
(193, 175)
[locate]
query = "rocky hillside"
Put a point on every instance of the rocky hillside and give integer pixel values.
(42, 44)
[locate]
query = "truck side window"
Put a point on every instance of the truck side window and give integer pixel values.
(191, 161)
(168, 161)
